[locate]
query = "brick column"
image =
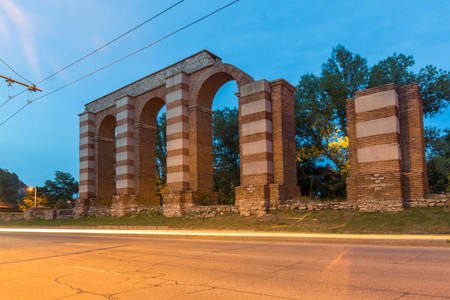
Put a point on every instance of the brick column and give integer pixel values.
(145, 184)
(177, 134)
(377, 182)
(87, 156)
(415, 182)
(256, 147)
(201, 155)
(284, 149)
(125, 146)
(352, 186)
(104, 171)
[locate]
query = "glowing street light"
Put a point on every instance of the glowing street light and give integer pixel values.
(35, 189)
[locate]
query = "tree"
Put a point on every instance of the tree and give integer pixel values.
(161, 154)
(226, 154)
(437, 144)
(320, 108)
(438, 159)
(435, 88)
(60, 190)
(28, 201)
(438, 172)
(11, 188)
(321, 120)
(343, 75)
(434, 84)
(394, 69)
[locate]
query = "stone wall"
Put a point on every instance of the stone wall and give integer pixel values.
(83, 207)
(364, 205)
(202, 212)
(11, 216)
(431, 201)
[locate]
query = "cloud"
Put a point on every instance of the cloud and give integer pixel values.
(4, 33)
(14, 12)
(97, 42)
(22, 22)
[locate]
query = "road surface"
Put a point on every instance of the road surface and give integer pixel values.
(52, 266)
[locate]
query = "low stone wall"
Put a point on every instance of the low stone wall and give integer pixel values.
(363, 206)
(38, 212)
(380, 205)
(202, 212)
(108, 212)
(431, 201)
(82, 208)
(64, 214)
(297, 205)
(11, 216)
(47, 213)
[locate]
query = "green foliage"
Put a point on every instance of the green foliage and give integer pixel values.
(161, 188)
(321, 124)
(343, 75)
(434, 84)
(161, 154)
(438, 155)
(62, 188)
(394, 69)
(435, 87)
(436, 143)
(438, 172)
(203, 199)
(11, 188)
(226, 154)
(28, 201)
(161, 146)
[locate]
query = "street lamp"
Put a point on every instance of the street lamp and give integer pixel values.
(35, 189)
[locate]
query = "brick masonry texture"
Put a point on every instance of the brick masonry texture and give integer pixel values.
(117, 141)
(117, 144)
(378, 179)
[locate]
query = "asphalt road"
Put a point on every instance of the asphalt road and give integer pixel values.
(46, 266)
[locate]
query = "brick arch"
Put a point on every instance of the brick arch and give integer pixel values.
(200, 124)
(210, 82)
(105, 158)
(149, 110)
(145, 151)
(106, 126)
(124, 121)
(147, 99)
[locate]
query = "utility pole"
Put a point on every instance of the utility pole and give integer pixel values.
(32, 88)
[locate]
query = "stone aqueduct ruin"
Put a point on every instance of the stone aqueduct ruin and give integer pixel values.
(117, 142)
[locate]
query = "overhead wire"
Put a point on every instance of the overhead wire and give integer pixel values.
(122, 58)
(112, 41)
(89, 54)
(12, 96)
(15, 72)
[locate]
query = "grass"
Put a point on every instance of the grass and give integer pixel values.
(431, 220)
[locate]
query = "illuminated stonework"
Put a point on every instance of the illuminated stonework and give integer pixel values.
(117, 140)
(387, 147)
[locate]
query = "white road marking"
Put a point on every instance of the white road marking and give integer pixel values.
(10, 239)
(98, 270)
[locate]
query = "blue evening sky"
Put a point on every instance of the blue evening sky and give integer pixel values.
(266, 39)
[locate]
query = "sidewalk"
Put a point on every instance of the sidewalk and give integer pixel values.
(226, 234)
